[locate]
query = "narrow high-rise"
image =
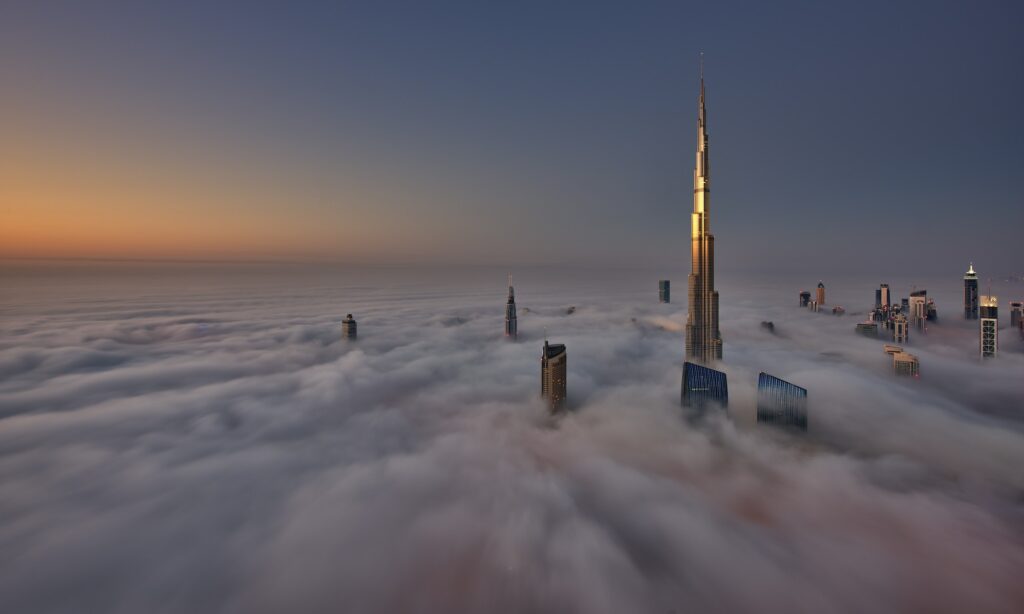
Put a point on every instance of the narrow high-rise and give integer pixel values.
(971, 294)
(821, 293)
(703, 339)
(553, 361)
(989, 327)
(348, 327)
(511, 327)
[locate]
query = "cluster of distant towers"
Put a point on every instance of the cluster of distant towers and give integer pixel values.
(917, 310)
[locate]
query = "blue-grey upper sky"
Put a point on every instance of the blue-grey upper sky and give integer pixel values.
(844, 136)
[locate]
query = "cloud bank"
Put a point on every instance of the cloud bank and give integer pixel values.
(208, 442)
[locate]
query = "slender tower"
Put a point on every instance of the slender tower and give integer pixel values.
(511, 330)
(703, 341)
(971, 294)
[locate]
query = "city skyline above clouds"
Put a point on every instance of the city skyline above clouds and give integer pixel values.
(533, 134)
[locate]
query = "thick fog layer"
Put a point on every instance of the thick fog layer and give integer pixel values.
(204, 441)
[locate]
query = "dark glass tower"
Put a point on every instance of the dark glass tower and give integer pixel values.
(553, 361)
(704, 387)
(511, 327)
(703, 339)
(348, 327)
(664, 291)
(971, 294)
(781, 403)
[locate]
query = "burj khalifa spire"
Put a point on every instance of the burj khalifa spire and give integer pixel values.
(703, 340)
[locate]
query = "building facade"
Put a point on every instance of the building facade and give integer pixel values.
(900, 329)
(970, 294)
(704, 388)
(868, 329)
(553, 361)
(511, 325)
(989, 326)
(703, 339)
(821, 294)
(664, 291)
(781, 403)
(1017, 314)
(884, 298)
(805, 298)
(918, 304)
(905, 364)
(348, 327)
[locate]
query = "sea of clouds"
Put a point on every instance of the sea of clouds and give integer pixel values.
(201, 439)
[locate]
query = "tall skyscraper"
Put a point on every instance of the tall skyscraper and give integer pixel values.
(704, 387)
(703, 339)
(780, 402)
(552, 375)
(884, 299)
(805, 298)
(900, 329)
(989, 328)
(918, 307)
(821, 293)
(1017, 314)
(971, 294)
(511, 327)
(348, 327)
(664, 291)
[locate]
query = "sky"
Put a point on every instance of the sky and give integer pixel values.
(202, 439)
(845, 137)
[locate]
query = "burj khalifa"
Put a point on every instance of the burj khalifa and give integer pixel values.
(703, 340)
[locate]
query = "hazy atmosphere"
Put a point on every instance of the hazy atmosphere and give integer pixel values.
(402, 132)
(197, 439)
(458, 307)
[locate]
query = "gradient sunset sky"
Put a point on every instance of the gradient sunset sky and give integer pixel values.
(853, 136)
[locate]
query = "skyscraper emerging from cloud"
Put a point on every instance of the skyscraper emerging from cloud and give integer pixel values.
(780, 402)
(704, 387)
(820, 298)
(989, 327)
(553, 361)
(664, 291)
(511, 326)
(971, 294)
(348, 327)
(703, 339)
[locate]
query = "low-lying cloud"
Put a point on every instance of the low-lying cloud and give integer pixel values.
(202, 448)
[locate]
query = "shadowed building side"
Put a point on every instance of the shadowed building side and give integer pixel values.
(781, 403)
(664, 291)
(553, 361)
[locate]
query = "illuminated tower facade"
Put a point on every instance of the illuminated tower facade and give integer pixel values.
(989, 329)
(971, 294)
(703, 340)
(511, 327)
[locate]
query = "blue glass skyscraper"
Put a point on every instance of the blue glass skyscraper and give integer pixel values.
(780, 402)
(704, 387)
